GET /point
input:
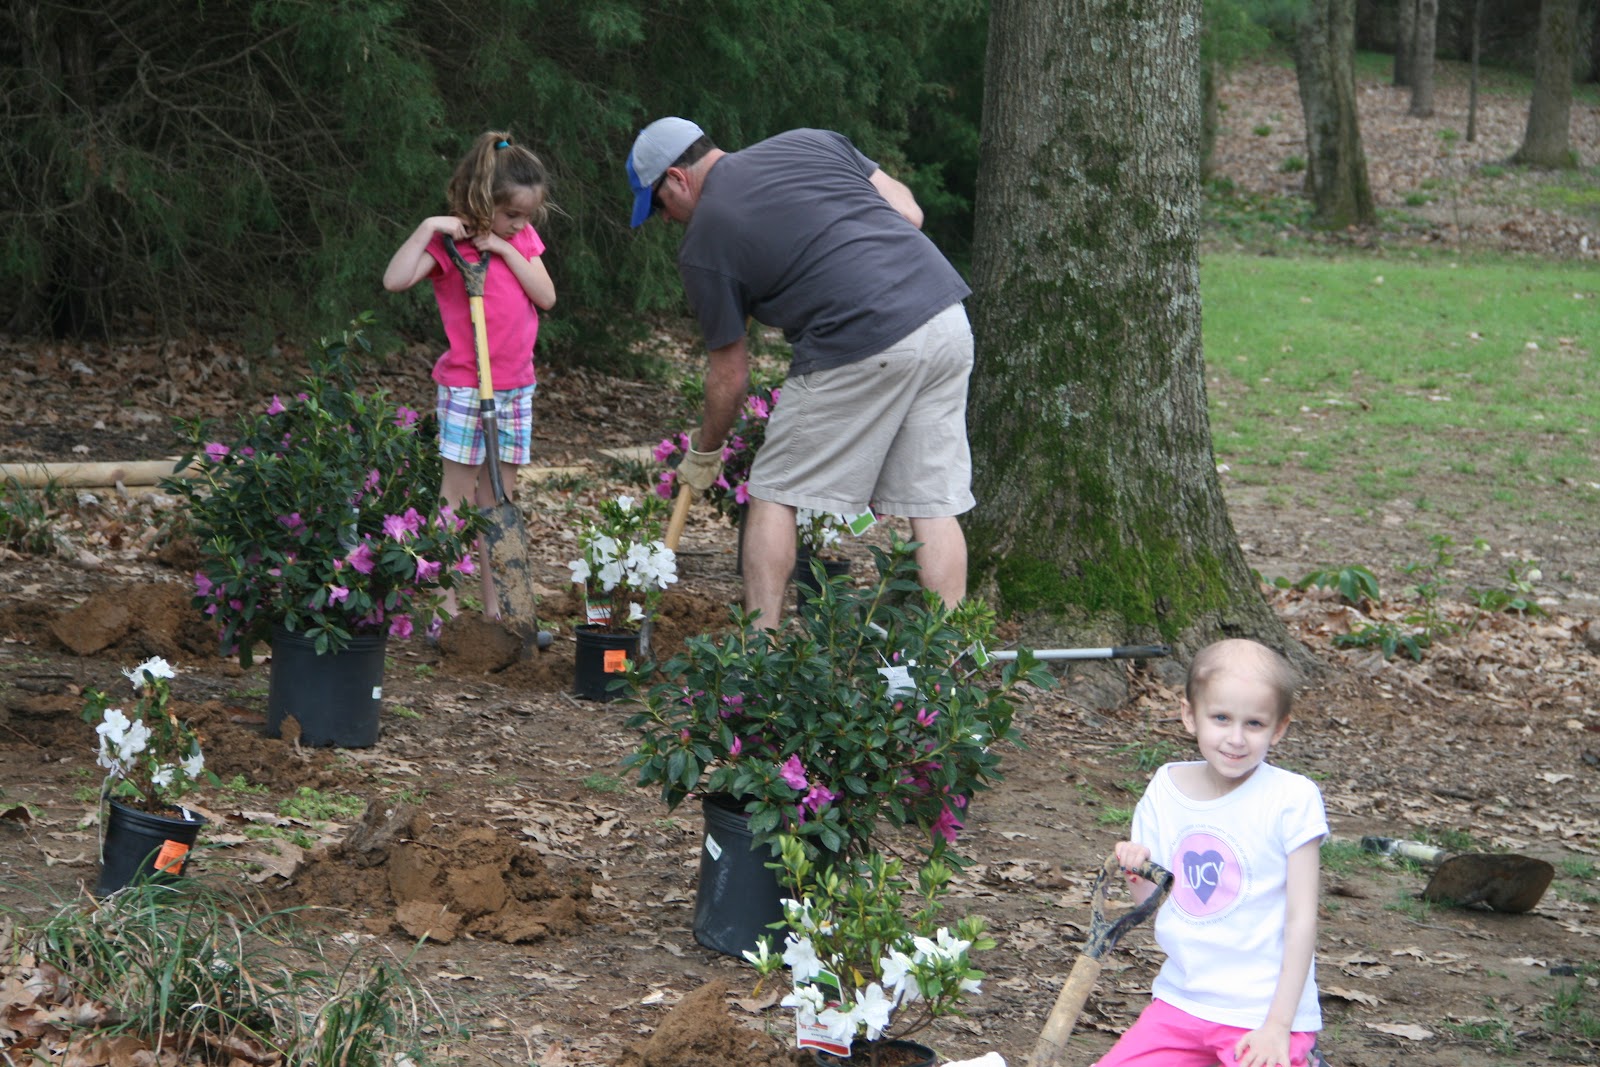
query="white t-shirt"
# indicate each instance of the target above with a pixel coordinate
(1222, 925)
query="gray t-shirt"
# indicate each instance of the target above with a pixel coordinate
(793, 232)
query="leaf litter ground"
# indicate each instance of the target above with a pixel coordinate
(557, 901)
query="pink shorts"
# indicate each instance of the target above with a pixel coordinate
(1164, 1036)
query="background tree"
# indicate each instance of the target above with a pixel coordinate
(1424, 47)
(1101, 516)
(1547, 141)
(1405, 42)
(1336, 164)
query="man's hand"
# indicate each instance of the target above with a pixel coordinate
(700, 470)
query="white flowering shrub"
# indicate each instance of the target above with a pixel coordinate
(624, 566)
(860, 964)
(820, 531)
(150, 757)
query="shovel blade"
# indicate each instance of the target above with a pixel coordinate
(506, 544)
(1507, 883)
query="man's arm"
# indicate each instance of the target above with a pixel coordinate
(727, 383)
(899, 196)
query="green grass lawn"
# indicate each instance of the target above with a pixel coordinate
(1423, 378)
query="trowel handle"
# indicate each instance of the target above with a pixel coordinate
(1427, 855)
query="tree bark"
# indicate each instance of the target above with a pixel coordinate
(1100, 517)
(1336, 164)
(1424, 48)
(1472, 87)
(1546, 142)
(1210, 116)
(1404, 42)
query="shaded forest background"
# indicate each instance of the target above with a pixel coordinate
(247, 168)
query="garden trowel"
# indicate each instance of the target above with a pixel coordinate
(505, 539)
(1502, 881)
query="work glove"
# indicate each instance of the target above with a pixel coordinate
(699, 470)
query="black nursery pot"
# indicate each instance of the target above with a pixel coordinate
(602, 657)
(140, 846)
(893, 1053)
(738, 896)
(336, 697)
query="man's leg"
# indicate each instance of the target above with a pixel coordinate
(769, 559)
(942, 558)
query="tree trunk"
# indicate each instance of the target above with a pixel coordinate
(1424, 48)
(1405, 32)
(1546, 143)
(1210, 115)
(1472, 88)
(1100, 516)
(1336, 164)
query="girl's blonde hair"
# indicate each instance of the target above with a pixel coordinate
(491, 172)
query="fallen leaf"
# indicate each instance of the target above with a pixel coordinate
(1355, 996)
(1409, 1031)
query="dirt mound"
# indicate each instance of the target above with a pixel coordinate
(132, 621)
(442, 880)
(699, 1033)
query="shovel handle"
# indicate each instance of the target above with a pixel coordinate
(473, 274)
(680, 515)
(1105, 929)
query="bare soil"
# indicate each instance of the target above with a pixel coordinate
(551, 903)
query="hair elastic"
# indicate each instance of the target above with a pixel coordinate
(501, 144)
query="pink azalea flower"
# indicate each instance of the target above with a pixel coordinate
(818, 797)
(337, 594)
(427, 570)
(361, 558)
(395, 528)
(276, 407)
(758, 407)
(927, 717)
(741, 493)
(400, 626)
(292, 521)
(404, 416)
(665, 483)
(793, 773)
(215, 451)
(372, 481)
(737, 746)
(247, 451)
(664, 450)
(947, 826)
(202, 584)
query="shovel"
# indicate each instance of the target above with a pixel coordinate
(506, 539)
(1104, 933)
(1502, 881)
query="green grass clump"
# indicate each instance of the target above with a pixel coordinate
(188, 970)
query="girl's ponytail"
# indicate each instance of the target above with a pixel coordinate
(491, 170)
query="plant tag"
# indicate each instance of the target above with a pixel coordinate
(980, 655)
(898, 679)
(377, 692)
(616, 661)
(713, 847)
(862, 523)
(597, 614)
(812, 1034)
(170, 858)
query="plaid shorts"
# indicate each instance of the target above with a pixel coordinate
(461, 439)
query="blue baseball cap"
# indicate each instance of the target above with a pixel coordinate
(654, 150)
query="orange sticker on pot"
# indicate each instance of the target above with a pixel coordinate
(170, 859)
(616, 660)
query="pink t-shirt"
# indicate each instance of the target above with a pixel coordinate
(510, 319)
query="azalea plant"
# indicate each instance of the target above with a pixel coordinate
(873, 711)
(731, 491)
(820, 531)
(624, 566)
(322, 514)
(860, 965)
(151, 758)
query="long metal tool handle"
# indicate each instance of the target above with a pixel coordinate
(473, 274)
(1114, 652)
(680, 515)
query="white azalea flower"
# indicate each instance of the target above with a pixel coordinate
(840, 1025)
(580, 570)
(808, 1000)
(610, 574)
(155, 667)
(801, 956)
(194, 764)
(896, 968)
(949, 944)
(625, 502)
(971, 985)
(163, 775)
(761, 954)
(636, 614)
(872, 1010)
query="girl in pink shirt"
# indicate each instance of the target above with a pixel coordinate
(495, 197)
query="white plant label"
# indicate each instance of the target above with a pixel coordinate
(898, 679)
(377, 692)
(713, 848)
